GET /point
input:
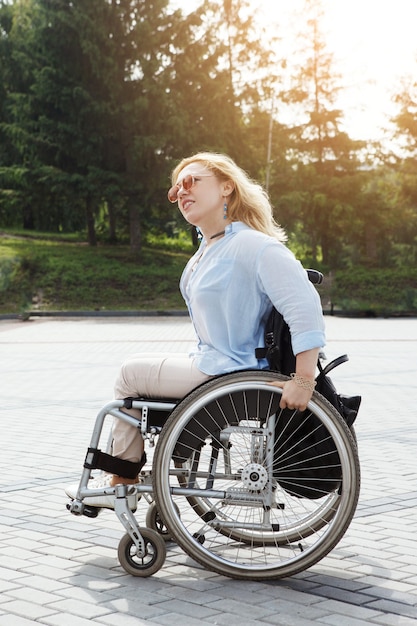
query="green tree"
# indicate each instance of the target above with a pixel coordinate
(14, 85)
(92, 115)
(220, 74)
(111, 93)
(40, 124)
(405, 119)
(405, 122)
(324, 181)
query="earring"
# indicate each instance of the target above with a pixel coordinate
(225, 210)
(199, 233)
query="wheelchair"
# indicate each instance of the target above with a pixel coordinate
(228, 485)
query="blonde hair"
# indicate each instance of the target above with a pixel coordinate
(248, 203)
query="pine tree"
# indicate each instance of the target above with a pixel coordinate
(325, 159)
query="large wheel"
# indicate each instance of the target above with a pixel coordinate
(249, 490)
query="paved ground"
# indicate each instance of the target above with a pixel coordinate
(60, 570)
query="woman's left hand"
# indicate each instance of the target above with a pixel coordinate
(297, 392)
(293, 396)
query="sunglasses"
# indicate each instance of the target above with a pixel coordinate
(186, 183)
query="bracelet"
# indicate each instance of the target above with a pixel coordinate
(305, 383)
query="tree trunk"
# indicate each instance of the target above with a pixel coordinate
(371, 247)
(325, 249)
(112, 223)
(91, 229)
(134, 227)
(28, 218)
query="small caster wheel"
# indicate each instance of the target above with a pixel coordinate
(155, 522)
(150, 562)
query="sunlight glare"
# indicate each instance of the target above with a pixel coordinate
(373, 43)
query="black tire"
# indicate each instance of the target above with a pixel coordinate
(155, 522)
(223, 501)
(150, 562)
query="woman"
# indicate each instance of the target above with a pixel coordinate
(241, 269)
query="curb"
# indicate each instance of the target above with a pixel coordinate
(183, 313)
(31, 314)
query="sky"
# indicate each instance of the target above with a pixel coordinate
(374, 43)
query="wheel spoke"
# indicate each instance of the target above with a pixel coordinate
(239, 481)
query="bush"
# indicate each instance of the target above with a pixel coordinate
(50, 274)
(67, 276)
(375, 291)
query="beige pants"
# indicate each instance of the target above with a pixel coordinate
(151, 376)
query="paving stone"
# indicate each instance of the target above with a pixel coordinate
(281, 607)
(25, 609)
(15, 620)
(398, 608)
(60, 570)
(119, 619)
(343, 620)
(187, 609)
(354, 611)
(178, 619)
(65, 619)
(228, 619)
(388, 619)
(36, 596)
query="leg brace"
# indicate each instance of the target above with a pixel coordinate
(96, 459)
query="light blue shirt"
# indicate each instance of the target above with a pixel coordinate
(230, 287)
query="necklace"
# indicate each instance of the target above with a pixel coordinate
(218, 234)
(199, 258)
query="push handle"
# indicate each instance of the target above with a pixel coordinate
(315, 277)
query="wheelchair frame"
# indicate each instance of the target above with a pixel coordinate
(214, 489)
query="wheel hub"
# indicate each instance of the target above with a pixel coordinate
(254, 477)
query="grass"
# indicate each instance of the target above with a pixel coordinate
(60, 275)
(53, 273)
(376, 291)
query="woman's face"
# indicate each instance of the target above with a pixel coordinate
(200, 195)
